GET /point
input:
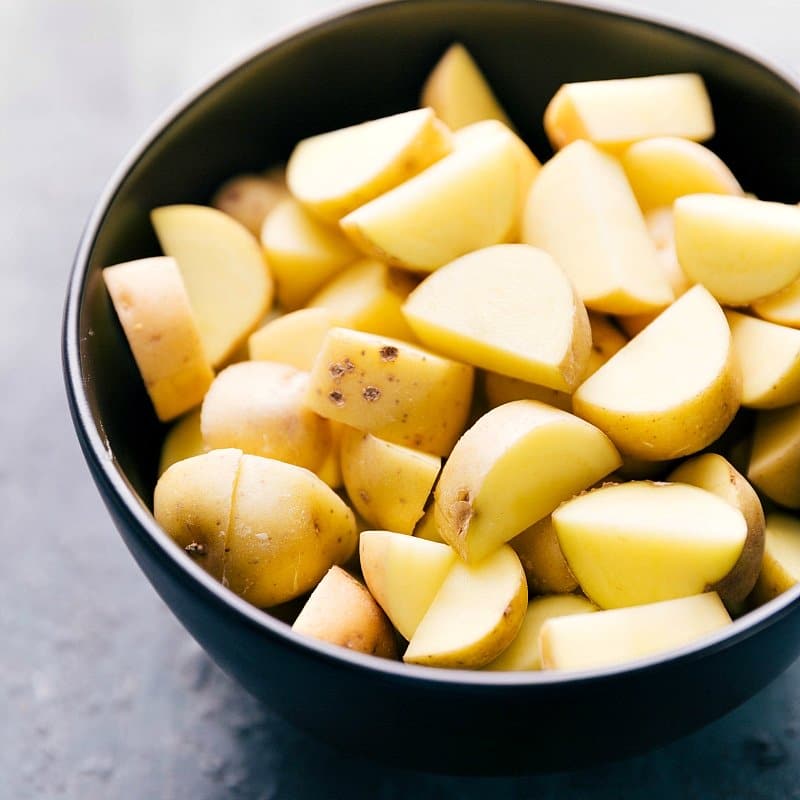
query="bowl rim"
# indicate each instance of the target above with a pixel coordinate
(116, 489)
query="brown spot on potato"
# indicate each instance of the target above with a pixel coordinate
(389, 353)
(340, 368)
(363, 495)
(462, 511)
(195, 549)
(337, 398)
(371, 393)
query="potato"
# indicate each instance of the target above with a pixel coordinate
(387, 484)
(535, 328)
(193, 501)
(769, 356)
(183, 440)
(368, 296)
(334, 173)
(475, 615)
(459, 94)
(293, 339)
(714, 474)
(605, 638)
(615, 113)
(391, 389)
(249, 198)
(633, 543)
(465, 201)
(613, 263)
(153, 308)
(229, 285)
(739, 248)
(404, 575)
(774, 467)
(302, 252)
(673, 389)
(524, 652)
(781, 568)
(341, 611)
(258, 406)
(287, 530)
(488, 493)
(331, 469)
(782, 308)
(662, 169)
(426, 528)
(546, 569)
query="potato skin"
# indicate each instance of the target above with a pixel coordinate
(249, 198)
(545, 567)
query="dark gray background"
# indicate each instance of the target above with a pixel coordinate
(102, 693)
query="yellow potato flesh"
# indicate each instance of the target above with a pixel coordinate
(368, 296)
(249, 198)
(183, 440)
(331, 469)
(662, 169)
(387, 484)
(540, 554)
(287, 530)
(509, 309)
(229, 285)
(769, 356)
(465, 201)
(303, 253)
(639, 542)
(459, 94)
(426, 528)
(774, 467)
(782, 308)
(193, 501)
(404, 575)
(488, 493)
(673, 389)
(163, 333)
(524, 652)
(741, 249)
(781, 568)
(475, 615)
(615, 113)
(341, 611)
(335, 173)
(293, 338)
(391, 389)
(616, 637)
(582, 211)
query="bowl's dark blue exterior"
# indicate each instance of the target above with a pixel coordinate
(362, 64)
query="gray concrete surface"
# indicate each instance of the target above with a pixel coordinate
(102, 693)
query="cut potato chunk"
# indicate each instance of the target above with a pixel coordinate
(781, 567)
(614, 113)
(769, 356)
(616, 637)
(681, 367)
(475, 615)
(582, 211)
(465, 201)
(488, 493)
(387, 484)
(391, 389)
(714, 474)
(662, 169)
(535, 328)
(183, 440)
(741, 249)
(155, 313)
(249, 198)
(293, 339)
(540, 554)
(524, 652)
(341, 611)
(302, 252)
(640, 542)
(368, 296)
(459, 94)
(426, 528)
(775, 457)
(782, 308)
(404, 575)
(259, 407)
(193, 501)
(287, 530)
(331, 469)
(229, 286)
(334, 173)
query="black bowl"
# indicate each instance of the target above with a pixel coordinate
(343, 69)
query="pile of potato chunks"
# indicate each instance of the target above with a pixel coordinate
(519, 483)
